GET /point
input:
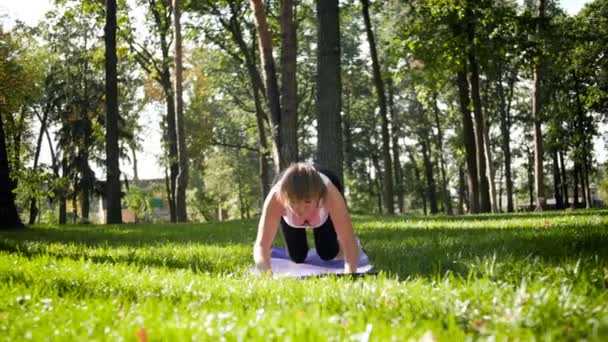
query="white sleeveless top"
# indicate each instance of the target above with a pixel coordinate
(291, 218)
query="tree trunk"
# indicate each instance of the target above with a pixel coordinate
(559, 201)
(530, 169)
(270, 79)
(505, 132)
(587, 171)
(386, 156)
(113, 193)
(170, 198)
(564, 180)
(469, 143)
(289, 86)
(575, 177)
(257, 91)
(62, 195)
(447, 200)
(395, 134)
(378, 181)
(33, 200)
(539, 182)
(181, 212)
(419, 187)
(480, 124)
(8, 210)
(461, 190)
(134, 157)
(428, 175)
(329, 88)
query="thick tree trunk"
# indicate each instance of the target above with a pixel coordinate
(8, 210)
(270, 79)
(329, 88)
(289, 86)
(386, 155)
(378, 181)
(447, 200)
(113, 193)
(181, 212)
(469, 143)
(539, 174)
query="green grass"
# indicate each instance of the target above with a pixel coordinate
(488, 277)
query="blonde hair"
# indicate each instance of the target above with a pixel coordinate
(301, 181)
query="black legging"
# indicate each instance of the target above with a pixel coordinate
(326, 239)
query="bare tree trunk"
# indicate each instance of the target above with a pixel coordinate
(444, 186)
(461, 190)
(505, 130)
(270, 79)
(134, 157)
(289, 86)
(386, 155)
(182, 151)
(539, 175)
(378, 181)
(559, 202)
(62, 194)
(170, 198)
(395, 134)
(419, 187)
(8, 210)
(530, 169)
(564, 180)
(575, 178)
(43, 119)
(587, 171)
(329, 88)
(113, 192)
(480, 124)
(428, 175)
(469, 143)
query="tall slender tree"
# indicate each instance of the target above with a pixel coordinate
(539, 173)
(113, 213)
(182, 152)
(388, 193)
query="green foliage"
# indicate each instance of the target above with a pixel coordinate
(140, 202)
(510, 277)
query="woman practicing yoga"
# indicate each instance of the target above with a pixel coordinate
(306, 196)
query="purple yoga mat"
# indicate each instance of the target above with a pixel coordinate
(313, 265)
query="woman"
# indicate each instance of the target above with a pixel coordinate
(305, 196)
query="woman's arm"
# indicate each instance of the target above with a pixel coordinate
(267, 230)
(335, 204)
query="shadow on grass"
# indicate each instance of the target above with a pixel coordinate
(428, 252)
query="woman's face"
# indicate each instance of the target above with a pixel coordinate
(303, 208)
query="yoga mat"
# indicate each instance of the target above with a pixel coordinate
(313, 265)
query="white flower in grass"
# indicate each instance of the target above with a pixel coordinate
(364, 336)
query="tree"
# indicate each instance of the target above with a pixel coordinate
(329, 87)
(182, 153)
(8, 211)
(113, 192)
(388, 193)
(539, 180)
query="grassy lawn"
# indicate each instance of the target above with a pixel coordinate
(513, 277)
